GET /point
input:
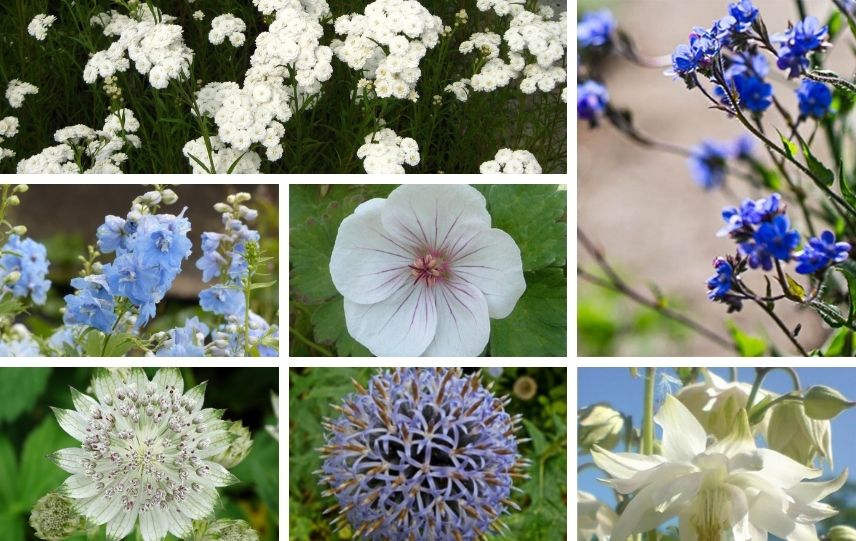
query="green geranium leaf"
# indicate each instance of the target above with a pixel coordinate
(532, 215)
(38, 475)
(20, 387)
(329, 323)
(538, 325)
(8, 468)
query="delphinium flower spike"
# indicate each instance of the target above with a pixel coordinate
(421, 454)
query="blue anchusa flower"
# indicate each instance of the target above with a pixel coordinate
(592, 99)
(29, 258)
(437, 452)
(708, 164)
(797, 42)
(744, 14)
(92, 305)
(186, 341)
(595, 28)
(740, 223)
(720, 283)
(756, 95)
(815, 98)
(747, 64)
(820, 253)
(773, 239)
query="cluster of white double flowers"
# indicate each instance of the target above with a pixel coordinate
(227, 26)
(82, 149)
(387, 43)
(385, 152)
(148, 453)
(512, 162)
(17, 91)
(145, 38)
(8, 129)
(38, 27)
(223, 158)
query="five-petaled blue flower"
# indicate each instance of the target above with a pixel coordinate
(820, 253)
(592, 99)
(29, 258)
(797, 42)
(755, 94)
(720, 283)
(814, 98)
(595, 28)
(708, 164)
(750, 214)
(744, 14)
(773, 240)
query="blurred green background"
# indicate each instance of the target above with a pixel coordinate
(29, 432)
(544, 500)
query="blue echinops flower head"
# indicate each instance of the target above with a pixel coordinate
(592, 99)
(422, 454)
(820, 253)
(797, 42)
(29, 258)
(595, 28)
(815, 98)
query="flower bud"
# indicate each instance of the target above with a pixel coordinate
(238, 449)
(599, 425)
(247, 213)
(715, 403)
(53, 518)
(97, 267)
(12, 277)
(151, 198)
(21, 188)
(168, 197)
(13, 201)
(222, 207)
(240, 197)
(795, 435)
(841, 533)
(230, 199)
(824, 403)
(230, 530)
(19, 230)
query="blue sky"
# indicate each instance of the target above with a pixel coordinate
(617, 387)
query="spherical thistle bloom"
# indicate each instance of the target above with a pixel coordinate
(592, 99)
(815, 99)
(38, 27)
(53, 518)
(512, 162)
(422, 272)
(772, 240)
(186, 341)
(720, 283)
(717, 488)
(144, 455)
(422, 454)
(708, 164)
(17, 91)
(756, 95)
(595, 28)
(820, 253)
(28, 259)
(595, 519)
(797, 42)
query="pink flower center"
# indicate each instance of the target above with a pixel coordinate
(428, 268)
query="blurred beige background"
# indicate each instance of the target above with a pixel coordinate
(643, 207)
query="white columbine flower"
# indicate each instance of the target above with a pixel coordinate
(594, 518)
(38, 27)
(145, 453)
(725, 489)
(422, 272)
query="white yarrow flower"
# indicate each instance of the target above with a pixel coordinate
(17, 90)
(422, 272)
(144, 455)
(725, 489)
(512, 162)
(38, 27)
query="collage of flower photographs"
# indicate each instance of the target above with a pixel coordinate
(195, 123)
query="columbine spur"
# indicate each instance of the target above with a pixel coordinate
(145, 453)
(422, 454)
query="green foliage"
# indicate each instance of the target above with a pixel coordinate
(20, 388)
(747, 345)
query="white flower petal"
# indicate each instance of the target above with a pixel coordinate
(429, 216)
(662, 472)
(169, 376)
(739, 440)
(812, 492)
(368, 263)
(72, 422)
(180, 525)
(492, 263)
(402, 325)
(655, 504)
(463, 323)
(623, 465)
(219, 476)
(105, 385)
(740, 524)
(198, 505)
(122, 524)
(80, 486)
(784, 471)
(683, 436)
(83, 403)
(685, 526)
(70, 459)
(98, 509)
(196, 395)
(769, 514)
(153, 524)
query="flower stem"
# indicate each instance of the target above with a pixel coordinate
(760, 374)
(320, 349)
(648, 425)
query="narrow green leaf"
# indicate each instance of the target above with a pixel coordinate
(795, 288)
(848, 269)
(262, 285)
(747, 345)
(790, 146)
(19, 389)
(820, 171)
(93, 345)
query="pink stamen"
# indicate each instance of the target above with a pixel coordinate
(428, 268)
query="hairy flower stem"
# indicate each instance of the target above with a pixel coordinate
(765, 305)
(648, 425)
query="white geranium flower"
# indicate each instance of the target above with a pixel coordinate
(594, 518)
(726, 489)
(145, 453)
(422, 272)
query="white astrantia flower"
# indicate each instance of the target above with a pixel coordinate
(38, 27)
(718, 489)
(422, 272)
(595, 519)
(145, 453)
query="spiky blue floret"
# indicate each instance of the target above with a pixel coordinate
(422, 454)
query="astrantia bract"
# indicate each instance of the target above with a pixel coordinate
(145, 453)
(422, 272)
(422, 454)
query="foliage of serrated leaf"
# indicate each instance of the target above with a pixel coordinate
(820, 171)
(38, 475)
(119, 345)
(532, 215)
(329, 327)
(19, 389)
(538, 325)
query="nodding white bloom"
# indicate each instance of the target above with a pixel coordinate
(225, 157)
(386, 152)
(8, 129)
(511, 162)
(422, 272)
(144, 455)
(594, 518)
(17, 90)
(724, 489)
(501, 7)
(387, 43)
(101, 149)
(38, 27)
(155, 47)
(274, 429)
(227, 26)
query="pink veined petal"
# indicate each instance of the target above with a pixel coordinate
(369, 263)
(434, 216)
(71, 459)
(492, 263)
(104, 383)
(463, 324)
(402, 325)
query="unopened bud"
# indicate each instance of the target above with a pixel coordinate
(151, 198)
(230, 199)
(13, 277)
(19, 230)
(247, 213)
(222, 207)
(824, 403)
(168, 197)
(599, 425)
(795, 435)
(21, 188)
(97, 267)
(841, 533)
(240, 197)
(13, 201)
